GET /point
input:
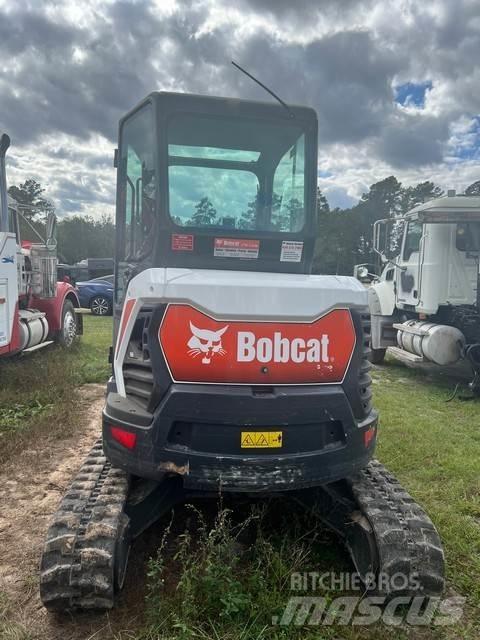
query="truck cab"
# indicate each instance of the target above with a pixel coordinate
(35, 309)
(435, 272)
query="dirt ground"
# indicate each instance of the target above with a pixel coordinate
(31, 486)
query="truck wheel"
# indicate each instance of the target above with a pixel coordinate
(68, 330)
(378, 356)
(100, 306)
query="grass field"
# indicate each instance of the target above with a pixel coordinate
(37, 391)
(434, 449)
(223, 574)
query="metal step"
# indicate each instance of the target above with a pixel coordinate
(38, 346)
(139, 389)
(140, 375)
(405, 356)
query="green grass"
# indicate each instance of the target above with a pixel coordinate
(200, 587)
(38, 390)
(433, 447)
(228, 573)
(10, 630)
(222, 573)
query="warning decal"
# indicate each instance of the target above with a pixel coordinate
(236, 248)
(261, 439)
(291, 251)
(182, 242)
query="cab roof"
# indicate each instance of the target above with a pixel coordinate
(232, 106)
(448, 209)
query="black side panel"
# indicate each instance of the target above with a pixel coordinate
(161, 374)
(358, 382)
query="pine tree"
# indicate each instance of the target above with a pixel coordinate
(29, 194)
(205, 213)
(473, 189)
(322, 203)
(422, 192)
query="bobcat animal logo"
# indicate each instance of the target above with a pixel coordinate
(206, 343)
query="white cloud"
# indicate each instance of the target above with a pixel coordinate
(69, 71)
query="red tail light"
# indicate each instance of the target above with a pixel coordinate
(125, 438)
(369, 435)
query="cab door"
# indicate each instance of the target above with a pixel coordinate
(408, 280)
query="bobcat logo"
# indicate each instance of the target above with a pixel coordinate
(205, 343)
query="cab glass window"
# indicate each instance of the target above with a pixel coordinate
(212, 196)
(13, 222)
(137, 186)
(468, 236)
(288, 202)
(236, 173)
(412, 239)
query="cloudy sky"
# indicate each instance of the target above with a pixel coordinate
(396, 84)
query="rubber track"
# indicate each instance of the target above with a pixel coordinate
(77, 565)
(406, 539)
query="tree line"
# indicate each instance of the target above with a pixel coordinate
(344, 235)
(282, 218)
(78, 236)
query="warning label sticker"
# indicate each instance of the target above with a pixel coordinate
(182, 242)
(291, 251)
(236, 248)
(261, 439)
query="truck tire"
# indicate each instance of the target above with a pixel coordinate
(100, 306)
(68, 330)
(378, 356)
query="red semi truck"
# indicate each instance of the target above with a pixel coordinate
(35, 309)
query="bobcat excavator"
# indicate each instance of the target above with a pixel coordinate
(234, 368)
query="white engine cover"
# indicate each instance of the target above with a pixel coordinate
(236, 295)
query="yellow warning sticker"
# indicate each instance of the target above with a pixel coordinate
(261, 439)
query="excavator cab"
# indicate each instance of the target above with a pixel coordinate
(215, 183)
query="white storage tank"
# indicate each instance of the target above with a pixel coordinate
(437, 343)
(33, 328)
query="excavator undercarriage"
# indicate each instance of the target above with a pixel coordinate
(392, 542)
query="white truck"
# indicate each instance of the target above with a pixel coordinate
(425, 304)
